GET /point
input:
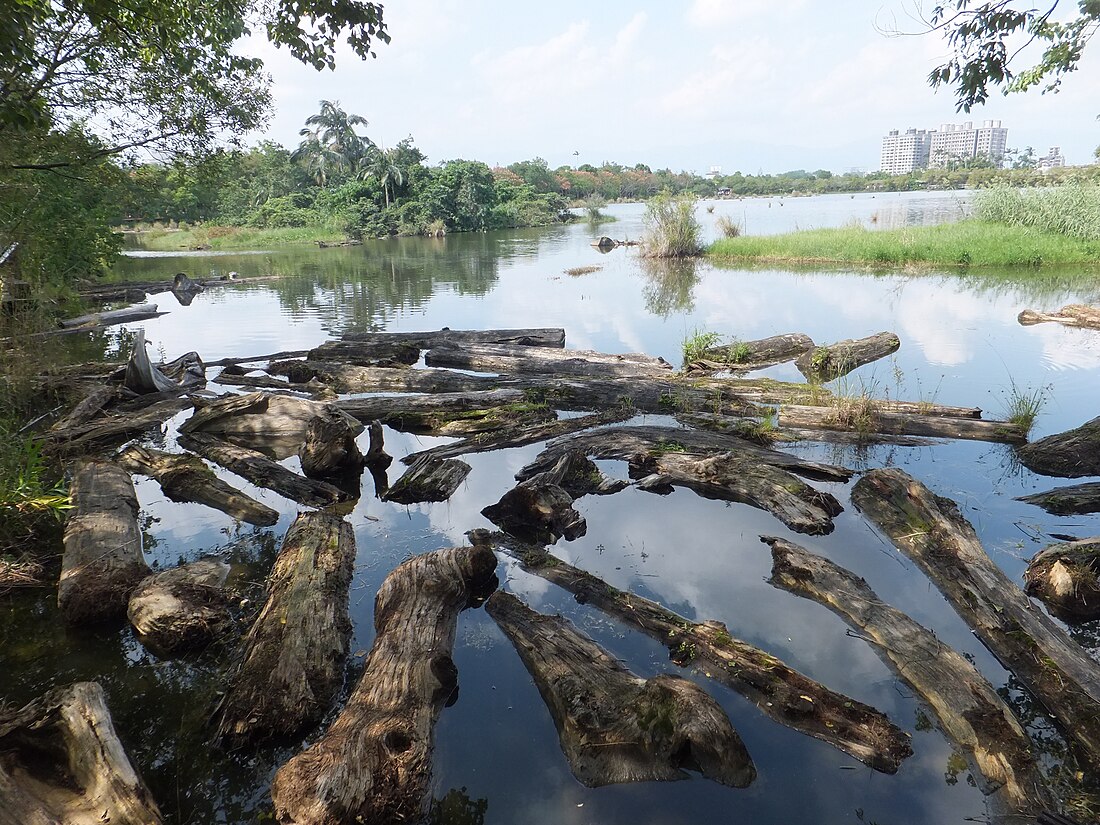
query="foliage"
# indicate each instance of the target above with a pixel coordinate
(695, 346)
(672, 230)
(29, 490)
(1072, 209)
(592, 206)
(1023, 405)
(728, 227)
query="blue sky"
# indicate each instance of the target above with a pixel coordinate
(750, 85)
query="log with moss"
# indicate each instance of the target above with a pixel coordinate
(183, 609)
(373, 764)
(1072, 454)
(753, 355)
(1066, 578)
(451, 413)
(368, 353)
(613, 725)
(827, 363)
(1075, 499)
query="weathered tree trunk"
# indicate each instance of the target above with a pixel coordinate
(866, 416)
(751, 430)
(329, 450)
(61, 763)
(428, 479)
(259, 415)
(451, 413)
(754, 355)
(1066, 577)
(88, 408)
(545, 337)
(293, 660)
(1074, 315)
(613, 725)
(103, 562)
(182, 609)
(112, 430)
(538, 512)
(780, 692)
(187, 478)
(969, 709)
(364, 354)
(374, 762)
(140, 312)
(1067, 501)
(575, 473)
(351, 378)
(826, 363)
(262, 471)
(545, 361)
(253, 359)
(1071, 454)
(376, 456)
(931, 531)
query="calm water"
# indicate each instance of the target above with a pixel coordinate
(497, 751)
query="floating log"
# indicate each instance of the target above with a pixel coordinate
(780, 692)
(754, 355)
(1071, 454)
(103, 562)
(1068, 501)
(970, 711)
(182, 609)
(61, 763)
(250, 359)
(931, 531)
(538, 337)
(293, 660)
(545, 361)
(367, 354)
(113, 429)
(138, 312)
(826, 363)
(329, 449)
(187, 478)
(259, 415)
(428, 479)
(262, 471)
(374, 762)
(613, 725)
(1066, 578)
(115, 292)
(1073, 315)
(864, 415)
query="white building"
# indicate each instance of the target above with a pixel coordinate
(1052, 160)
(961, 142)
(903, 153)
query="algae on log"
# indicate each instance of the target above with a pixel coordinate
(1067, 501)
(368, 354)
(931, 531)
(613, 725)
(826, 363)
(293, 659)
(968, 707)
(1066, 577)
(103, 560)
(187, 478)
(1073, 315)
(869, 416)
(780, 692)
(428, 479)
(61, 763)
(451, 413)
(182, 609)
(1071, 454)
(373, 764)
(754, 355)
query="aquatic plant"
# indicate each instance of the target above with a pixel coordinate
(728, 227)
(672, 230)
(695, 346)
(1023, 405)
(1072, 209)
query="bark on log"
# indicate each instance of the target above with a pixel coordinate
(544, 337)
(257, 416)
(1067, 501)
(534, 360)
(140, 312)
(182, 609)
(374, 762)
(103, 562)
(1066, 577)
(187, 478)
(931, 531)
(381, 354)
(1071, 454)
(754, 355)
(61, 763)
(537, 512)
(866, 416)
(1074, 315)
(613, 725)
(579, 476)
(262, 471)
(780, 692)
(751, 430)
(329, 449)
(428, 479)
(252, 359)
(87, 409)
(112, 430)
(967, 706)
(349, 378)
(826, 363)
(451, 413)
(293, 660)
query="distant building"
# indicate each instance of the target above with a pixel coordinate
(713, 172)
(1053, 159)
(903, 153)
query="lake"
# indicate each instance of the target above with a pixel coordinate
(497, 758)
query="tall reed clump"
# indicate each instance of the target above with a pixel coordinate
(728, 227)
(1072, 209)
(592, 206)
(672, 230)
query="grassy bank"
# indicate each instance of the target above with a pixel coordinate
(968, 243)
(236, 237)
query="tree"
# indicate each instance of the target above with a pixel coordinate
(335, 129)
(384, 166)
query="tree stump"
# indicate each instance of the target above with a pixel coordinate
(1066, 577)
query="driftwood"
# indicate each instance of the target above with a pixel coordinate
(537, 512)
(103, 562)
(115, 292)
(931, 531)
(293, 660)
(1071, 454)
(826, 363)
(258, 416)
(139, 312)
(187, 478)
(780, 692)
(142, 376)
(451, 413)
(544, 337)
(579, 476)
(1067, 501)
(87, 409)
(864, 415)
(262, 471)
(329, 449)
(969, 709)
(1074, 315)
(753, 355)
(546, 361)
(1066, 577)
(182, 609)
(380, 354)
(61, 763)
(250, 359)
(428, 479)
(113, 429)
(613, 725)
(374, 762)
(751, 430)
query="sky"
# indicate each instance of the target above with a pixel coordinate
(747, 85)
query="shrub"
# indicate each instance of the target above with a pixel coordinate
(728, 226)
(672, 230)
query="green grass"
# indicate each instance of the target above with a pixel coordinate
(969, 243)
(237, 237)
(1023, 405)
(1072, 209)
(672, 230)
(695, 346)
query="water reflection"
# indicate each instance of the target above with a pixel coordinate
(670, 285)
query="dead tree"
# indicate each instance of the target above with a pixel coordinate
(428, 479)
(1074, 315)
(826, 363)
(867, 416)
(1066, 501)
(743, 356)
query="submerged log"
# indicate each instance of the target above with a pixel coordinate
(1067, 501)
(865, 415)
(329, 449)
(103, 562)
(970, 712)
(373, 354)
(931, 531)
(293, 660)
(780, 692)
(61, 763)
(1071, 454)
(754, 355)
(1066, 577)
(1074, 315)
(139, 312)
(374, 762)
(428, 479)
(546, 361)
(187, 478)
(826, 363)
(544, 337)
(182, 609)
(262, 471)
(613, 725)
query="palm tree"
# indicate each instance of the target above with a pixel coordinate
(332, 143)
(383, 164)
(318, 159)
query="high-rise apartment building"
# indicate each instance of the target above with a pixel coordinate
(1054, 159)
(918, 149)
(902, 153)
